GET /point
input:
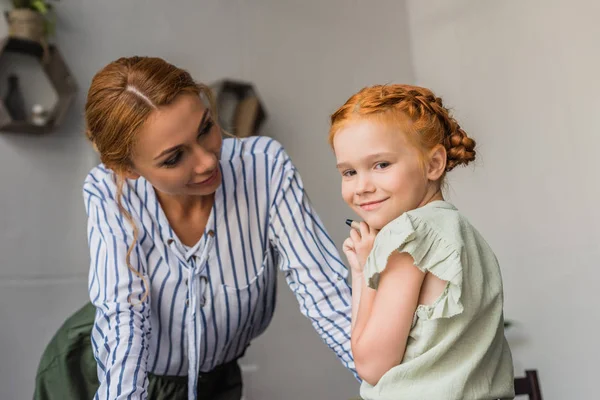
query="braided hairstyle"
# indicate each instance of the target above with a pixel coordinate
(429, 121)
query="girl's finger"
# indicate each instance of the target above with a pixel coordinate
(365, 230)
(355, 236)
(348, 244)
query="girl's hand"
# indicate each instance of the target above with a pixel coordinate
(358, 246)
(350, 252)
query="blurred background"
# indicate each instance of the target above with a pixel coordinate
(520, 75)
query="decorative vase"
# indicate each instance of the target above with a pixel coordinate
(26, 24)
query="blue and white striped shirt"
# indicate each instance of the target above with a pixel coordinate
(206, 303)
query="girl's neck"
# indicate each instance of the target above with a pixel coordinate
(434, 193)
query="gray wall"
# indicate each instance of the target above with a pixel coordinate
(43, 253)
(523, 78)
(305, 57)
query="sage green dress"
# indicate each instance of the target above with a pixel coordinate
(456, 347)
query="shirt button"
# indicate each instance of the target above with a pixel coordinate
(170, 241)
(339, 278)
(211, 233)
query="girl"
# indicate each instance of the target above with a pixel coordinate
(427, 319)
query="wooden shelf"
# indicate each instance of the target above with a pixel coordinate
(59, 76)
(240, 110)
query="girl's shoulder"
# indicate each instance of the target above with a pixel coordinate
(425, 234)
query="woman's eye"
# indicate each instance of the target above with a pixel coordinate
(173, 160)
(206, 128)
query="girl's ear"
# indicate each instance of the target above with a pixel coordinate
(436, 164)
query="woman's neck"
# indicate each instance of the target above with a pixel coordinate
(185, 206)
(187, 215)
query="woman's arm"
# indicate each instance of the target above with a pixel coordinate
(309, 258)
(121, 331)
(385, 317)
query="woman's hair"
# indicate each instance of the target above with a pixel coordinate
(121, 97)
(425, 119)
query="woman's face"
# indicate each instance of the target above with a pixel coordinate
(178, 149)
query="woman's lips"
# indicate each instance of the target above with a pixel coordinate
(208, 180)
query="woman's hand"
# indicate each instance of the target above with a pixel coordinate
(358, 246)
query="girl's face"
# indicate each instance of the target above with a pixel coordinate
(383, 174)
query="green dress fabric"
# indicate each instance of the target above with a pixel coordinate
(456, 347)
(68, 370)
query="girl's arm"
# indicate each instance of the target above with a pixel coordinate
(358, 287)
(384, 318)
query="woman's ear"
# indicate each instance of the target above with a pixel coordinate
(129, 173)
(436, 164)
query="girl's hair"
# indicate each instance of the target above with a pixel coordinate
(121, 97)
(427, 122)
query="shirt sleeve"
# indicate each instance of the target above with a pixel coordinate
(121, 332)
(309, 259)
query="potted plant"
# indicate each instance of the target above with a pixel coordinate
(31, 20)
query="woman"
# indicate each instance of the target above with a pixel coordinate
(185, 233)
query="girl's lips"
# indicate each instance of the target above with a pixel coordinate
(371, 205)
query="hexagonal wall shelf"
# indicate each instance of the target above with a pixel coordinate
(241, 112)
(59, 76)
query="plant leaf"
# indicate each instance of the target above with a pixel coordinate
(39, 6)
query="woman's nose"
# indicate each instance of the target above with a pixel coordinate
(205, 161)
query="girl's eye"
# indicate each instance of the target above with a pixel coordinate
(382, 165)
(349, 173)
(173, 160)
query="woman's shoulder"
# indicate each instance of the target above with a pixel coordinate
(100, 182)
